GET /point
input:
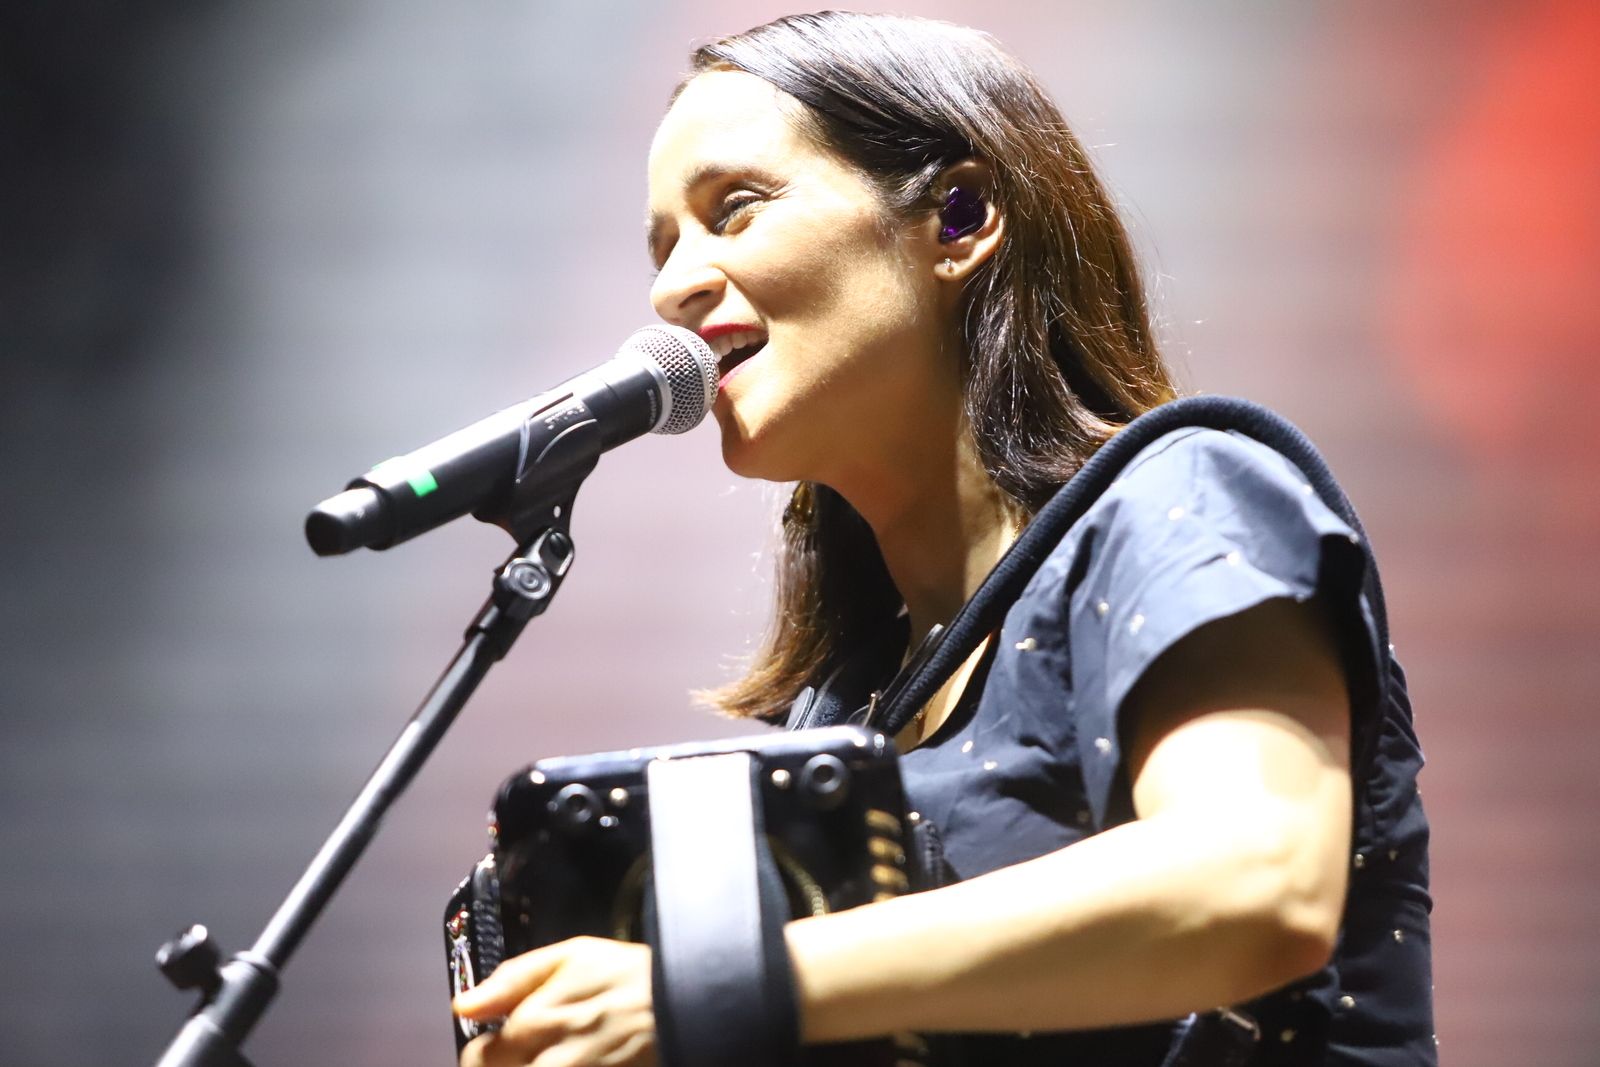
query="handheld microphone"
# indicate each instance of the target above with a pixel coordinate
(662, 380)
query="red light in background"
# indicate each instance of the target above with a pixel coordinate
(1496, 294)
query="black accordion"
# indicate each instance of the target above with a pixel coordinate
(703, 851)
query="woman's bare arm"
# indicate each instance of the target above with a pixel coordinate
(1228, 884)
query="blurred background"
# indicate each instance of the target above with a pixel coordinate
(248, 250)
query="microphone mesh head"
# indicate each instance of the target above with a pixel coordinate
(690, 368)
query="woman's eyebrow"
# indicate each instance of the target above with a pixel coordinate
(700, 173)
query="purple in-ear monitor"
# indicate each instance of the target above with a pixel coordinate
(963, 213)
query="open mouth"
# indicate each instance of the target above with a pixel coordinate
(735, 348)
(728, 363)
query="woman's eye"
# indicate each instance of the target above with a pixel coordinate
(730, 208)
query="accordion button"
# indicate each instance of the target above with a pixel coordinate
(825, 781)
(576, 808)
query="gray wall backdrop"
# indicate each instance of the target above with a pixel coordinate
(250, 249)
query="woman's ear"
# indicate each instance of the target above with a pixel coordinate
(968, 225)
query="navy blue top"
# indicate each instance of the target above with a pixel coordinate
(1201, 525)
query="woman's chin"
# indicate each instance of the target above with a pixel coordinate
(749, 453)
(741, 455)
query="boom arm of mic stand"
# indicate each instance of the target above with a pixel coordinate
(236, 995)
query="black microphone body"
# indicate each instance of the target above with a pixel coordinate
(528, 457)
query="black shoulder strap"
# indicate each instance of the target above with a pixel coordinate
(721, 982)
(986, 610)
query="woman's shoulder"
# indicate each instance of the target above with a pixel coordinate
(1193, 496)
(1195, 464)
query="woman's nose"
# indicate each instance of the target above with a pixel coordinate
(684, 290)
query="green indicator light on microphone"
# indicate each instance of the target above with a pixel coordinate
(422, 484)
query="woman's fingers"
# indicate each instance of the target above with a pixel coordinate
(510, 983)
(586, 1000)
(540, 1033)
(489, 1051)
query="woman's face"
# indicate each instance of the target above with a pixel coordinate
(768, 245)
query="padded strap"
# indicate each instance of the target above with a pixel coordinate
(722, 986)
(986, 610)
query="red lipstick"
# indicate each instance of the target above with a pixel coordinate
(711, 333)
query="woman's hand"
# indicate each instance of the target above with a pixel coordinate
(582, 1001)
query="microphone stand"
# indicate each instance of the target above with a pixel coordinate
(236, 994)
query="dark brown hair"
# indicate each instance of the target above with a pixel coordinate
(1058, 352)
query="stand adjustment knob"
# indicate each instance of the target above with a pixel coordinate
(527, 579)
(191, 960)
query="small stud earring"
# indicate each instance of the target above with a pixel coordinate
(949, 265)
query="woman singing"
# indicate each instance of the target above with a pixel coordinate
(1168, 782)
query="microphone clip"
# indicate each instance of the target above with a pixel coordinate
(524, 587)
(559, 445)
